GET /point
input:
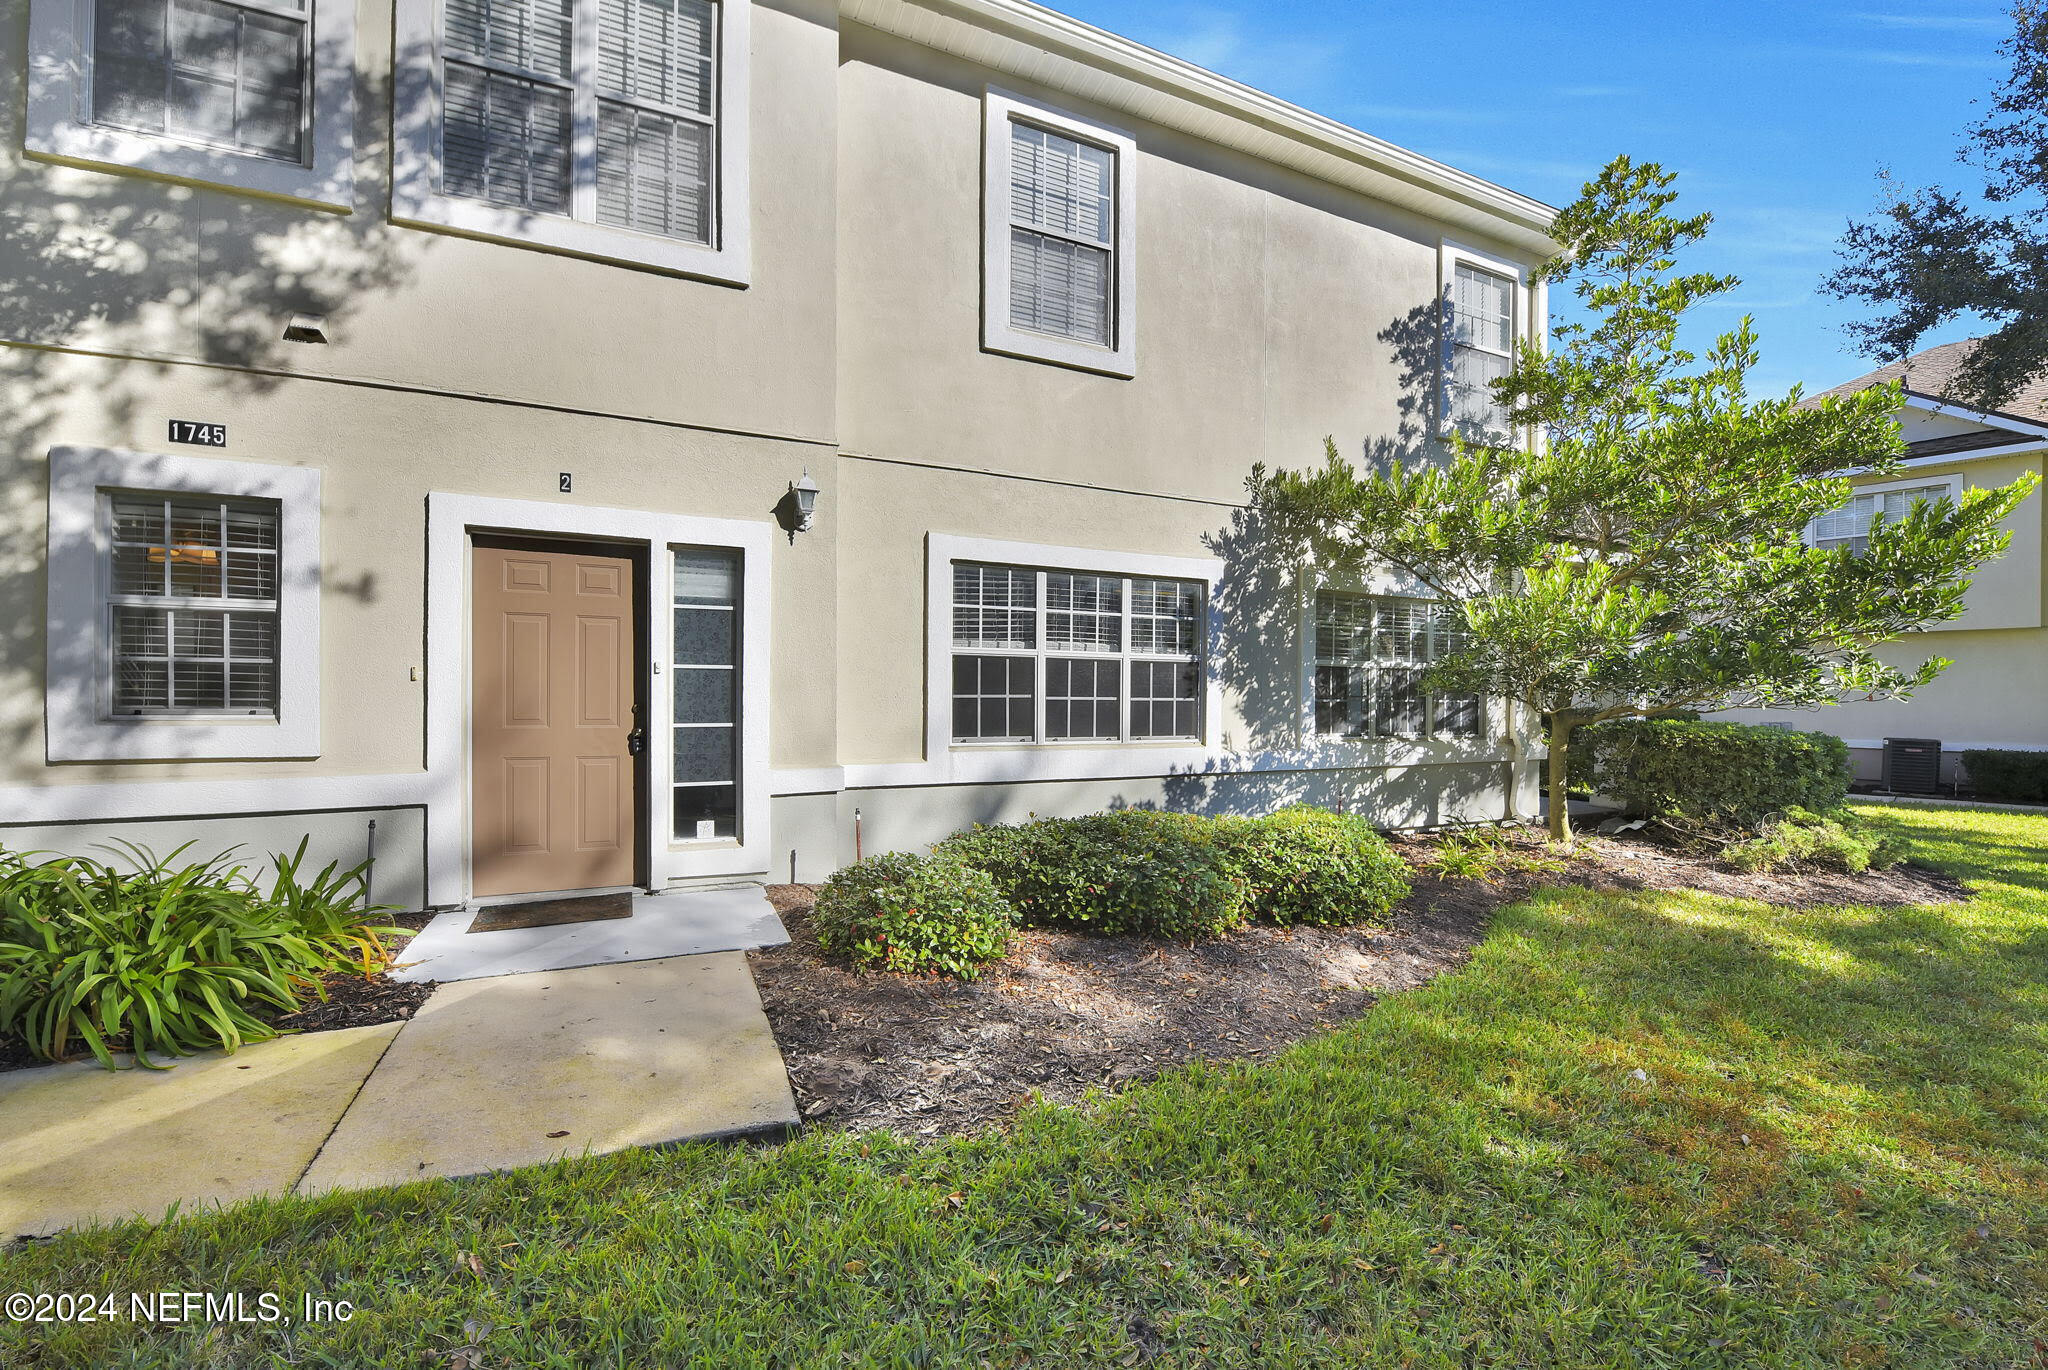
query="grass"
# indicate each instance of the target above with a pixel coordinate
(1838, 1157)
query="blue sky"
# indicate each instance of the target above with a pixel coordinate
(1776, 115)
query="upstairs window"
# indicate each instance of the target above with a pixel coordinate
(607, 128)
(517, 94)
(247, 94)
(1067, 656)
(1062, 238)
(1849, 526)
(1482, 329)
(228, 75)
(1058, 240)
(1371, 654)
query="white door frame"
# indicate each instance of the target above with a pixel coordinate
(451, 518)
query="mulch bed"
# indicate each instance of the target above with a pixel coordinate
(1067, 1012)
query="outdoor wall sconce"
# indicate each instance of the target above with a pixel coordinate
(799, 506)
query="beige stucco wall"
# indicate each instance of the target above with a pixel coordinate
(1262, 301)
(121, 263)
(380, 452)
(2006, 592)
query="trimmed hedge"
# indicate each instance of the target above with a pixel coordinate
(1998, 774)
(1715, 777)
(916, 915)
(1308, 865)
(1132, 871)
(1186, 876)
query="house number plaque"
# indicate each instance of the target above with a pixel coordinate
(199, 434)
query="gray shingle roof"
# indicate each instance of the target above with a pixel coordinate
(1932, 373)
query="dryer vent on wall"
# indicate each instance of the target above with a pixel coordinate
(1912, 765)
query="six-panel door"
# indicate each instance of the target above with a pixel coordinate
(552, 781)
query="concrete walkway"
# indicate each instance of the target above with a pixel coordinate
(487, 1075)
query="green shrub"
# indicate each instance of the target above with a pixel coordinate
(916, 915)
(1483, 853)
(1132, 871)
(176, 958)
(1713, 778)
(1799, 837)
(1998, 774)
(1308, 865)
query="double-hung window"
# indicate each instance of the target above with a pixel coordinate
(1069, 656)
(1371, 653)
(184, 608)
(1849, 526)
(255, 94)
(612, 128)
(1058, 246)
(192, 606)
(1482, 331)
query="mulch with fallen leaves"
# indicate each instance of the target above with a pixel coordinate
(1068, 1011)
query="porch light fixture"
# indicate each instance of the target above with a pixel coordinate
(800, 505)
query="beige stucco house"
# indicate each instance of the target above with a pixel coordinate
(404, 409)
(1996, 693)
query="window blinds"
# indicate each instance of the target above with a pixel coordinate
(1062, 235)
(1482, 348)
(515, 99)
(1849, 526)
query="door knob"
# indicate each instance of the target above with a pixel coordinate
(636, 742)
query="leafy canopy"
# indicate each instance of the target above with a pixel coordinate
(1646, 556)
(1934, 255)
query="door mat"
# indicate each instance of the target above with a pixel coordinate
(545, 913)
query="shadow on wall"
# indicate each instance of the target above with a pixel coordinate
(113, 285)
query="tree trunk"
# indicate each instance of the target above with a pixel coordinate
(1560, 799)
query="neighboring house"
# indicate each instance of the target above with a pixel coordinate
(404, 409)
(1994, 695)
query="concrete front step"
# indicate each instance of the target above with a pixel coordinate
(517, 1070)
(681, 923)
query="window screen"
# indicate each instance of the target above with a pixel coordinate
(229, 75)
(706, 684)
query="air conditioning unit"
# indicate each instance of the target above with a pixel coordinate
(1912, 765)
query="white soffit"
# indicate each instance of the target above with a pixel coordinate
(1039, 45)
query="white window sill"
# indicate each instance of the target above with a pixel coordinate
(111, 149)
(1003, 340)
(570, 237)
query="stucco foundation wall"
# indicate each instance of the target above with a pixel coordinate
(398, 877)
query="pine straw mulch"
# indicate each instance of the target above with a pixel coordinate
(1067, 1012)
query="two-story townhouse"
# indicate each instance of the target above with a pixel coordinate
(1991, 695)
(407, 412)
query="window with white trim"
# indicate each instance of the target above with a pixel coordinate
(1482, 331)
(191, 606)
(1849, 526)
(706, 683)
(1058, 242)
(1371, 652)
(1069, 656)
(254, 94)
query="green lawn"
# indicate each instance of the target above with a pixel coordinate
(1840, 1157)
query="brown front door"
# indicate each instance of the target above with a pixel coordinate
(552, 779)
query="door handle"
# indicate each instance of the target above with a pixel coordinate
(636, 742)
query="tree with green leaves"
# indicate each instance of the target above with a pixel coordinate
(1639, 551)
(1934, 255)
